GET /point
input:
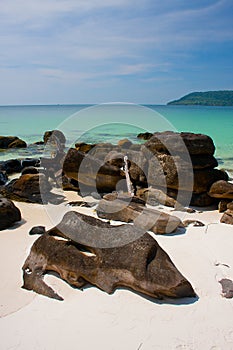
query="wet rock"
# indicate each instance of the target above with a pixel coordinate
(9, 213)
(141, 265)
(221, 189)
(84, 147)
(54, 136)
(125, 143)
(28, 162)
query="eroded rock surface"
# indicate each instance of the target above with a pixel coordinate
(141, 265)
(9, 213)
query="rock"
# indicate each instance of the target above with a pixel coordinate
(141, 265)
(18, 144)
(176, 173)
(54, 136)
(28, 188)
(3, 178)
(221, 189)
(143, 218)
(11, 166)
(195, 199)
(37, 230)
(11, 142)
(115, 158)
(227, 288)
(154, 196)
(145, 135)
(9, 213)
(195, 223)
(203, 161)
(84, 147)
(222, 205)
(28, 162)
(91, 171)
(230, 206)
(69, 184)
(30, 170)
(168, 141)
(125, 143)
(227, 217)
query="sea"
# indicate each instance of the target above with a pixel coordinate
(112, 122)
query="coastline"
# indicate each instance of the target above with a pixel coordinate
(125, 319)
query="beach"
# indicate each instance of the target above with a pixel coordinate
(124, 320)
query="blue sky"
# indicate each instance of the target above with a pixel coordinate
(95, 51)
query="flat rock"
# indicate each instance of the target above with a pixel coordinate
(143, 218)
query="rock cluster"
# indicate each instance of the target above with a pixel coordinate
(11, 142)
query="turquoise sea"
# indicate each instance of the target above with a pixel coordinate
(112, 122)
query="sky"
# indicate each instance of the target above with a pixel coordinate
(96, 51)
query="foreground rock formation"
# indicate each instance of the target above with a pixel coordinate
(141, 265)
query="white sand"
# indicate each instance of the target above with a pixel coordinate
(93, 319)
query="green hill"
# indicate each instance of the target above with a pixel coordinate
(208, 98)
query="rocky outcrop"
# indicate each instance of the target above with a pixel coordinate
(9, 213)
(174, 158)
(127, 210)
(3, 178)
(11, 142)
(141, 265)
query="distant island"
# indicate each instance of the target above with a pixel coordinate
(207, 98)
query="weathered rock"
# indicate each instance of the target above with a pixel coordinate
(9, 213)
(11, 142)
(230, 206)
(169, 141)
(227, 217)
(143, 218)
(37, 230)
(11, 166)
(141, 265)
(154, 196)
(227, 288)
(221, 189)
(176, 173)
(69, 184)
(203, 161)
(92, 172)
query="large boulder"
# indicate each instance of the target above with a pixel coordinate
(141, 265)
(9, 213)
(92, 172)
(172, 142)
(11, 142)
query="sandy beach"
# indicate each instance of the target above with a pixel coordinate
(125, 320)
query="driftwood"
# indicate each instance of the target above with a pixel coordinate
(141, 265)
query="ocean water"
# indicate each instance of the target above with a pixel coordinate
(112, 122)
